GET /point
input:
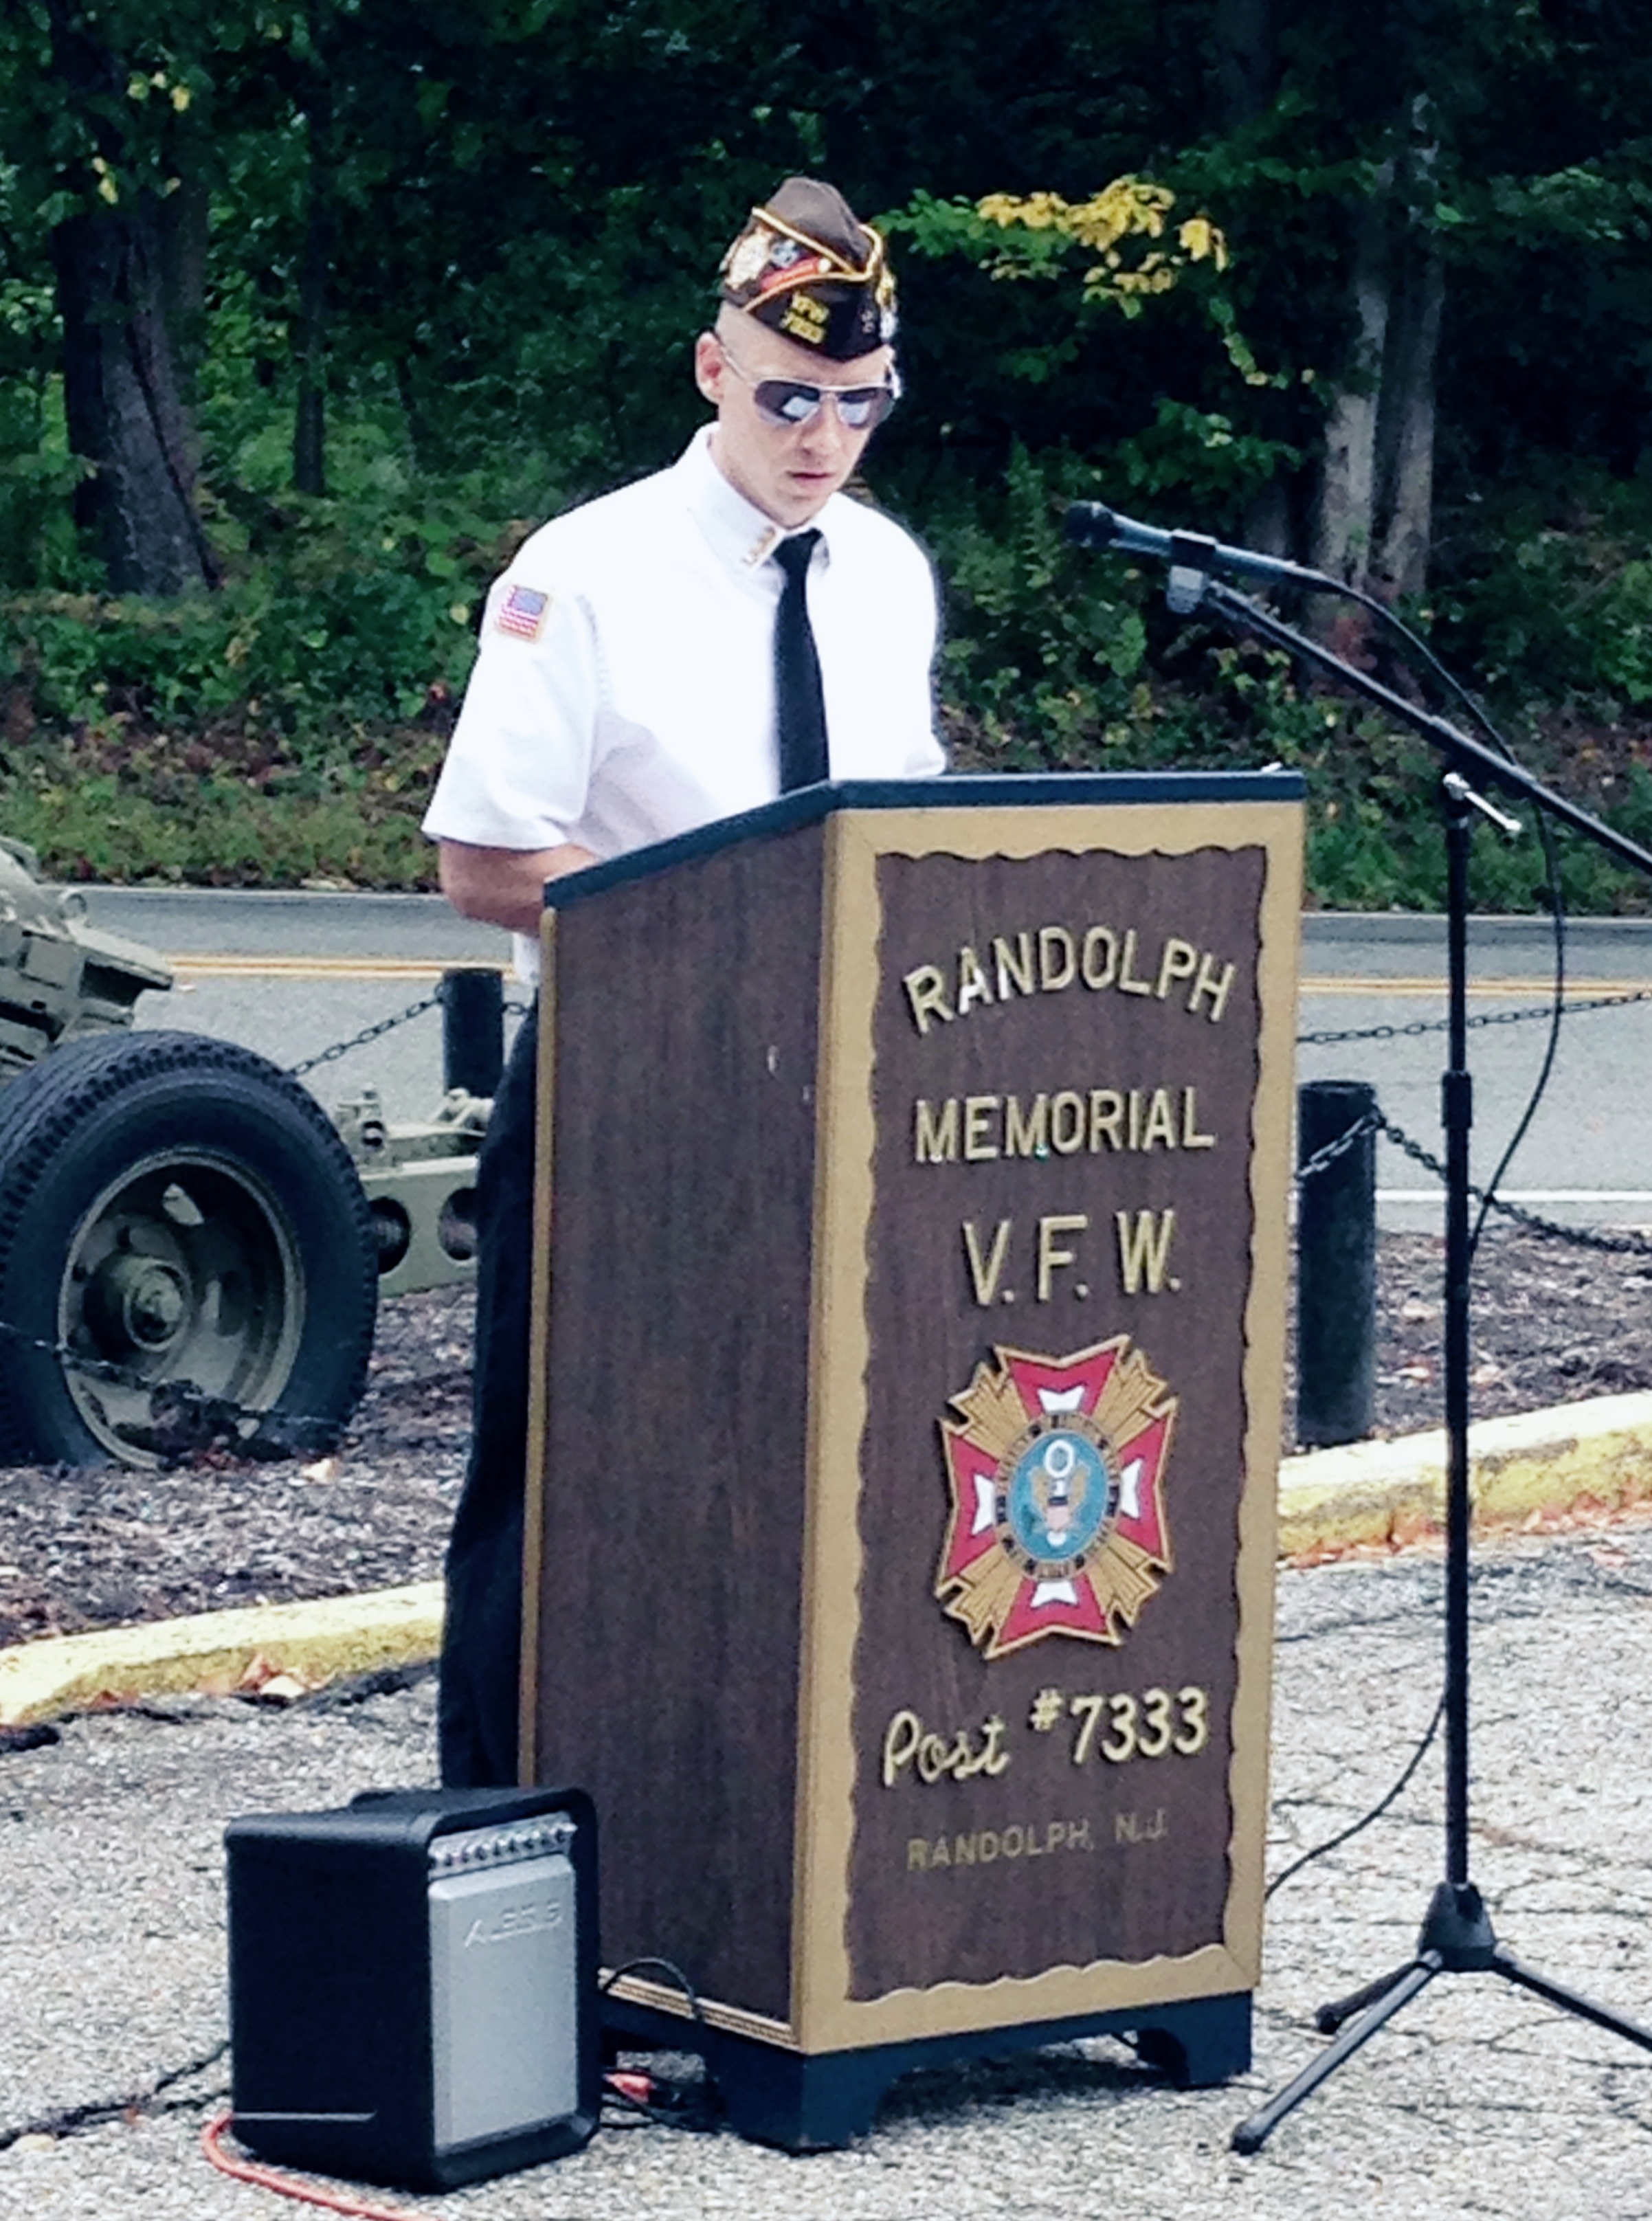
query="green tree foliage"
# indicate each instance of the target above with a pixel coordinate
(392, 283)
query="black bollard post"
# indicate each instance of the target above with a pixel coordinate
(472, 1030)
(1337, 1267)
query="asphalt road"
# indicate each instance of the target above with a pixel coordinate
(1587, 1159)
(289, 974)
(1478, 2101)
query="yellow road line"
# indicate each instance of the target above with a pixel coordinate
(1496, 989)
(195, 967)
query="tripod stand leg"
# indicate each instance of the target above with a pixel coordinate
(1505, 1963)
(1253, 2132)
(1329, 2018)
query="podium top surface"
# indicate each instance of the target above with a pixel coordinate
(952, 790)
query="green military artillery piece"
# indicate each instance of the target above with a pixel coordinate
(191, 1251)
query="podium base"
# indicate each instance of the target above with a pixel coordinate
(821, 2101)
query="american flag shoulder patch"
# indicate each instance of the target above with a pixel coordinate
(521, 613)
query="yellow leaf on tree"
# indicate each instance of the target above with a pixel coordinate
(1128, 207)
(1202, 242)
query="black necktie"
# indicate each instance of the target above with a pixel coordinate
(799, 702)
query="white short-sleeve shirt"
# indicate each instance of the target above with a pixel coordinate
(623, 690)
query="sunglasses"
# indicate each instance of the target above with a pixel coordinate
(785, 402)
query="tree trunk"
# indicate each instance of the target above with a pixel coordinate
(1402, 563)
(1407, 431)
(1245, 37)
(1344, 525)
(120, 397)
(1246, 58)
(127, 417)
(309, 416)
(184, 224)
(1267, 520)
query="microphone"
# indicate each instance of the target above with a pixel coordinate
(1192, 557)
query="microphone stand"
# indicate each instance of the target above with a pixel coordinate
(1457, 1937)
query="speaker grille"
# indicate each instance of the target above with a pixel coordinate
(504, 1996)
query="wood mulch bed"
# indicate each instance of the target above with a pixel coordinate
(101, 1547)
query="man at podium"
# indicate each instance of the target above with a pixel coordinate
(688, 647)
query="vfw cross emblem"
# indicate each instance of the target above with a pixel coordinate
(1056, 1467)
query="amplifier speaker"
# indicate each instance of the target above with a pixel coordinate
(413, 1984)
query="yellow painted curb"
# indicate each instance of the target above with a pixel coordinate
(216, 1651)
(1575, 1457)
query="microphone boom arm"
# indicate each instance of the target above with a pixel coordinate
(1244, 614)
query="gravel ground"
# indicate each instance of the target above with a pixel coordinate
(104, 1547)
(1477, 2101)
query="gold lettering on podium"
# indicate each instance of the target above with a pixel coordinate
(933, 1758)
(1128, 1828)
(1191, 1136)
(1014, 965)
(1058, 960)
(1071, 1122)
(1215, 985)
(1050, 1259)
(973, 986)
(1128, 983)
(1026, 1135)
(1029, 1839)
(985, 1274)
(1178, 962)
(926, 990)
(1099, 963)
(934, 1131)
(1144, 1250)
(980, 1127)
(1142, 1238)
(1049, 959)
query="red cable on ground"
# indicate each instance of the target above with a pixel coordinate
(289, 2186)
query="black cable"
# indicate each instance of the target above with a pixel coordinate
(1557, 911)
(1551, 861)
(696, 2111)
(659, 1967)
(1556, 903)
(1333, 1842)
(95, 2111)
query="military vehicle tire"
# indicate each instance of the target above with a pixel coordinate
(181, 1209)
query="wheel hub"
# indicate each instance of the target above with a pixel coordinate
(138, 1303)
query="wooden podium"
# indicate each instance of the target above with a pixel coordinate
(909, 1332)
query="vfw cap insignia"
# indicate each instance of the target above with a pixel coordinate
(806, 266)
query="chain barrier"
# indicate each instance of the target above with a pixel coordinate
(377, 1031)
(1629, 1245)
(1417, 1027)
(1372, 1122)
(184, 1418)
(1583, 1237)
(368, 1033)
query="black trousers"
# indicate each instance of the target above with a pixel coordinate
(481, 1648)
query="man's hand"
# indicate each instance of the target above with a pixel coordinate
(504, 886)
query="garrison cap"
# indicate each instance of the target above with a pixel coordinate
(806, 266)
